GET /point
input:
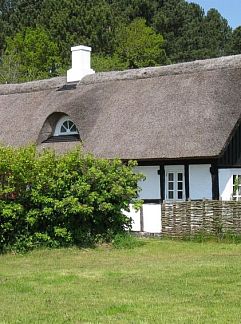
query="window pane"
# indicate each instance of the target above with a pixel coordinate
(236, 187)
(175, 185)
(68, 127)
(179, 185)
(170, 185)
(73, 128)
(179, 195)
(180, 177)
(170, 195)
(170, 176)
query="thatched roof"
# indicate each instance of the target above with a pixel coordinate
(185, 110)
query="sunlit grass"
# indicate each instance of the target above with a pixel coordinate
(158, 282)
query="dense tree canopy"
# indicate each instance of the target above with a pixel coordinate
(140, 46)
(236, 41)
(30, 54)
(176, 30)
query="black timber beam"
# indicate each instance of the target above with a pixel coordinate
(215, 181)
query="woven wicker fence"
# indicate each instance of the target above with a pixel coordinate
(208, 217)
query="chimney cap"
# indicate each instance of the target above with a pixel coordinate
(81, 48)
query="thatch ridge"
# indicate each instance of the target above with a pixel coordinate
(225, 62)
(32, 86)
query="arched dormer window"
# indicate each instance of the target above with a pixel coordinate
(65, 126)
(58, 127)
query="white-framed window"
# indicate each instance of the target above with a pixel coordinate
(236, 187)
(65, 126)
(175, 183)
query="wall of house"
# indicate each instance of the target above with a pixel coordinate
(152, 218)
(200, 181)
(148, 219)
(226, 182)
(151, 185)
(136, 219)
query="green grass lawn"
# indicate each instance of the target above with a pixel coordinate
(160, 282)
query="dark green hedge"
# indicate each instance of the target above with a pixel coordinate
(60, 200)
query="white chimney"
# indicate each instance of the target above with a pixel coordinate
(80, 63)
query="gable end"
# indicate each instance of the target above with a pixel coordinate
(231, 155)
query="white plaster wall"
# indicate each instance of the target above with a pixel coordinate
(151, 185)
(136, 221)
(200, 181)
(226, 182)
(152, 218)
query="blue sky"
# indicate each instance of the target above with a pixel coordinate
(229, 9)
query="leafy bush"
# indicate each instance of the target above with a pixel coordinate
(52, 200)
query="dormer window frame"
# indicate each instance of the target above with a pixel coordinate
(65, 123)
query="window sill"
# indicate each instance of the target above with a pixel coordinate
(63, 138)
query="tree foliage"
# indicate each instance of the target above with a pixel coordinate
(102, 63)
(30, 54)
(140, 46)
(182, 28)
(236, 41)
(217, 34)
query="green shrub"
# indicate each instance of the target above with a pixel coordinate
(52, 200)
